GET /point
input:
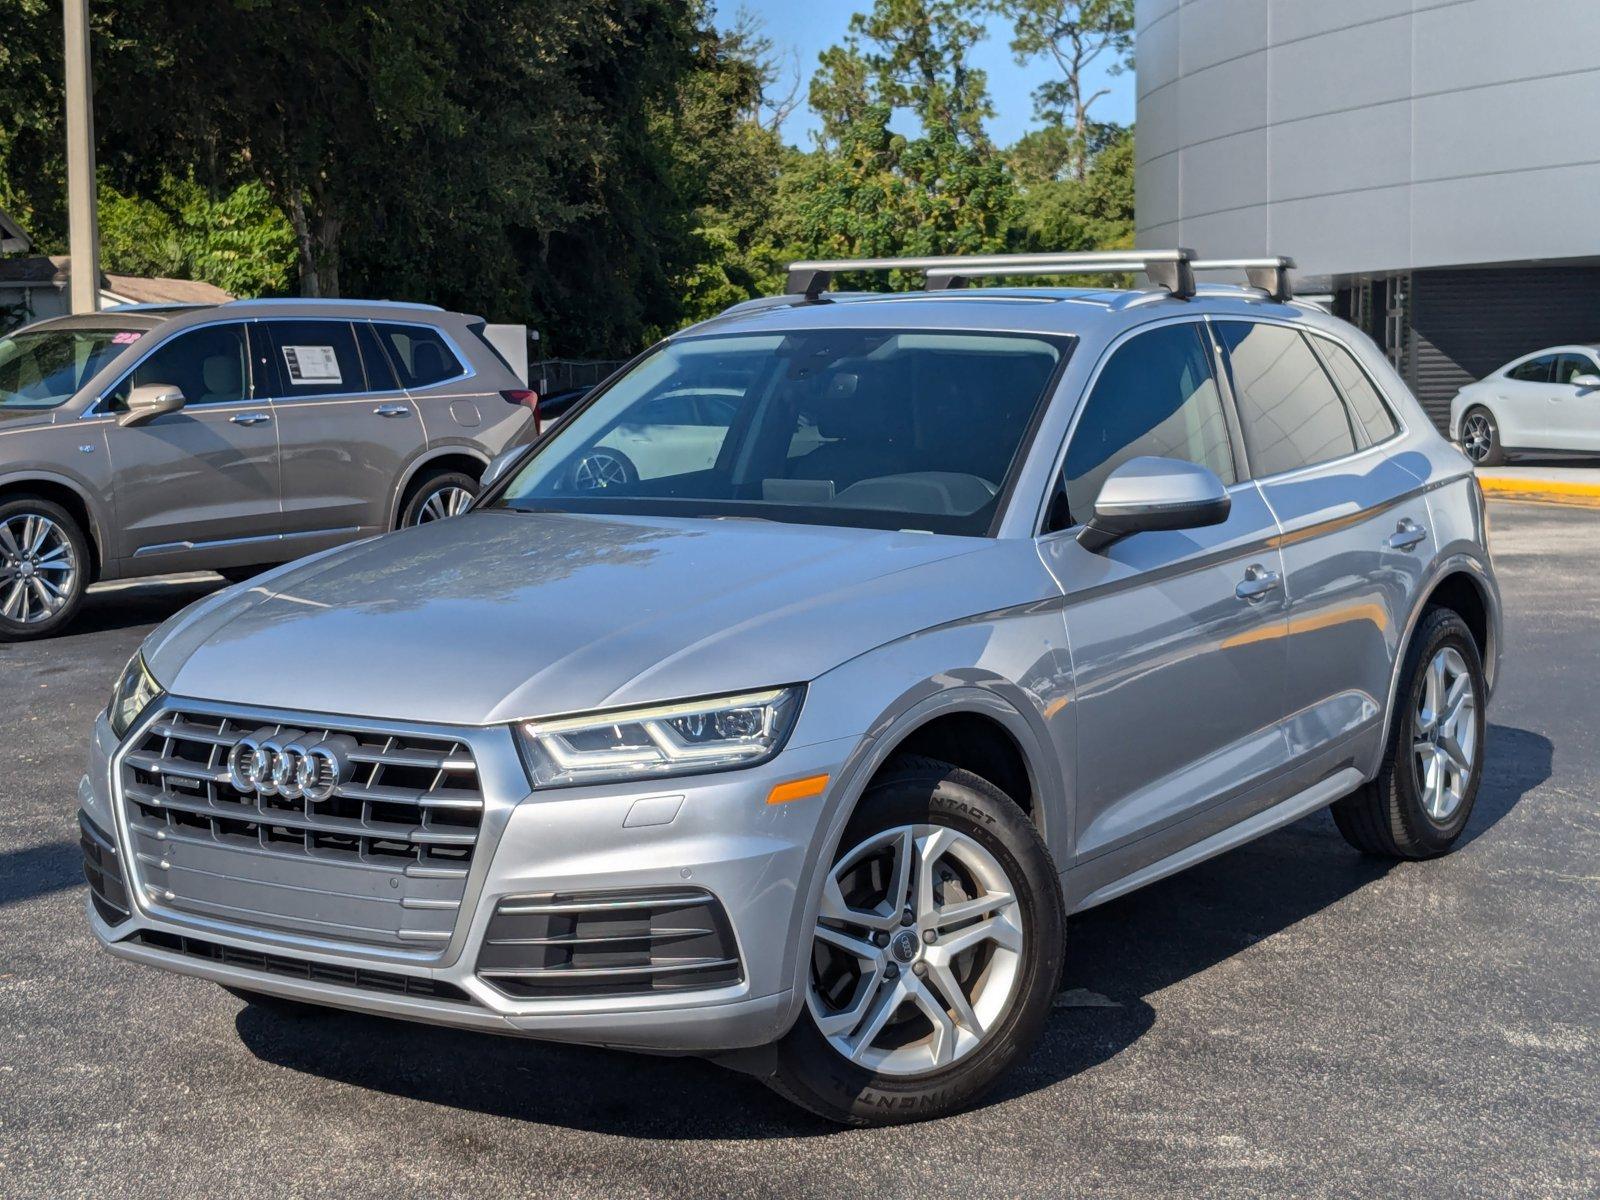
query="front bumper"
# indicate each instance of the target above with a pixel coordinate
(723, 838)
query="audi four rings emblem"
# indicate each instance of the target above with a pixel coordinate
(287, 763)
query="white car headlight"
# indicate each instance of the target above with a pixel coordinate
(132, 695)
(690, 737)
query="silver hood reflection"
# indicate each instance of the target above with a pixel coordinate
(501, 615)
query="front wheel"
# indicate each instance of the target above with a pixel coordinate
(935, 956)
(44, 568)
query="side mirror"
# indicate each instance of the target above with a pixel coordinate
(499, 465)
(1154, 493)
(1584, 382)
(149, 401)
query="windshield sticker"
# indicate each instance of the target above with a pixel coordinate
(312, 364)
(126, 338)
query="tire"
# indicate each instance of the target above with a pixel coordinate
(815, 1072)
(1480, 438)
(600, 468)
(437, 496)
(44, 568)
(1398, 815)
(281, 1005)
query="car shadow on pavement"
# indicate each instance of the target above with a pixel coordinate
(1118, 955)
(38, 871)
(123, 606)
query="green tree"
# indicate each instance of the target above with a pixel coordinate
(1074, 35)
(870, 190)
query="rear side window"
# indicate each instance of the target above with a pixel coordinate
(1291, 414)
(1366, 405)
(420, 355)
(1157, 395)
(315, 358)
(1538, 370)
(211, 366)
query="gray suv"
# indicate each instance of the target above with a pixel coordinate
(782, 704)
(140, 441)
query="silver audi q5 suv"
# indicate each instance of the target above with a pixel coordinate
(781, 704)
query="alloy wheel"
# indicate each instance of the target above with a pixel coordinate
(1477, 437)
(917, 950)
(598, 470)
(38, 568)
(1445, 743)
(447, 502)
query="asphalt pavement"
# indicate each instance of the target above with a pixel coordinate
(1288, 1019)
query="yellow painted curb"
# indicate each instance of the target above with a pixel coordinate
(1549, 491)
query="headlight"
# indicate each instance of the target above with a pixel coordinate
(132, 695)
(672, 739)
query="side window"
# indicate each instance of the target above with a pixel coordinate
(419, 354)
(1291, 414)
(210, 365)
(1157, 395)
(315, 358)
(380, 375)
(1573, 365)
(1366, 405)
(1538, 370)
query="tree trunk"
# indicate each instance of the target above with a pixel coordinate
(317, 241)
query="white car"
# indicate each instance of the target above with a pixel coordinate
(1547, 400)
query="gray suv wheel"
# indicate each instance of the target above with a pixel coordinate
(44, 568)
(935, 956)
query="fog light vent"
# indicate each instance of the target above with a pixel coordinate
(608, 944)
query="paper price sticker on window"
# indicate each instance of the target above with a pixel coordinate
(311, 364)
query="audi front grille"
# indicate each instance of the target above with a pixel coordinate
(376, 853)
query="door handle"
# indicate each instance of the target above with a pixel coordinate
(1258, 582)
(1407, 535)
(392, 410)
(251, 418)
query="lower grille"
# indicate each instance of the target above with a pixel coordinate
(378, 856)
(608, 944)
(294, 968)
(102, 867)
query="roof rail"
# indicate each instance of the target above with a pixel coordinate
(316, 300)
(1271, 275)
(1170, 269)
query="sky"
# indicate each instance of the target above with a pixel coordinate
(808, 27)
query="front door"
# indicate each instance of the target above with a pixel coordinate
(204, 479)
(1574, 410)
(1176, 637)
(345, 442)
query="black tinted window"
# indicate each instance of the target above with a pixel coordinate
(316, 358)
(419, 354)
(1291, 414)
(1536, 370)
(1366, 405)
(380, 375)
(210, 365)
(1156, 396)
(1573, 365)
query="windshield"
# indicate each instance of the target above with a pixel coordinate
(45, 368)
(879, 429)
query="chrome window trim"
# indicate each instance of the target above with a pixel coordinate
(93, 409)
(1042, 512)
(469, 371)
(1402, 429)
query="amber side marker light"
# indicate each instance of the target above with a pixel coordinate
(798, 789)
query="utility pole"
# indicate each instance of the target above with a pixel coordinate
(83, 229)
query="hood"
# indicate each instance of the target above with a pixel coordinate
(501, 615)
(25, 418)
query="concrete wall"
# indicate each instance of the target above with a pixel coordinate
(1370, 135)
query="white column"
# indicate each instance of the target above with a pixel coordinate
(83, 230)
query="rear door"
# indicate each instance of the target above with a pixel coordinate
(195, 483)
(1574, 411)
(1356, 529)
(1178, 656)
(345, 441)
